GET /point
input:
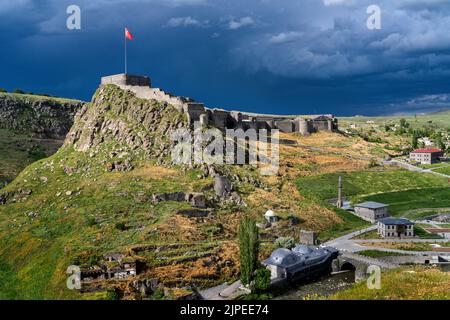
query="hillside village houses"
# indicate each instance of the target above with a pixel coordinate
(427, 142)
(395, 228)
(371, 211)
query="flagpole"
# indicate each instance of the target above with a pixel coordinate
(126, 67)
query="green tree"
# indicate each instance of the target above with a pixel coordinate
(3, 90)
(249, 249)
(439, 142)
(415, 140)
(403, 123)
(18, 91)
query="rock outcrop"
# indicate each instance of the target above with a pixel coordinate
(225, 192)
(197, 200)
(118, 117)
(42, 117)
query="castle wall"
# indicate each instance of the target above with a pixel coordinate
(194, 111)
(222, 119)
(285, 126)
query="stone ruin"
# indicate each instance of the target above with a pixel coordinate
(308, 238)
(222, 119)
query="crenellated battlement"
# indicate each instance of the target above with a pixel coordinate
(222, 119)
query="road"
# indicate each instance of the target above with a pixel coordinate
(411, 167)
(349, 245)
(222, 292)
(345, 243)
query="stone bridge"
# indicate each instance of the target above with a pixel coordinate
(359, 264)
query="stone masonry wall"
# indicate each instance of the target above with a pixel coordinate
(222, 119)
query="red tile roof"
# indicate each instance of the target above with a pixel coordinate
(427, 150)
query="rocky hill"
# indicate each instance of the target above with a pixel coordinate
(31, 127)
(42, 117)
(110, 191)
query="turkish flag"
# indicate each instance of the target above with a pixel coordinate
(128, 34)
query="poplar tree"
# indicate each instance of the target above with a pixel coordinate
(249, 249)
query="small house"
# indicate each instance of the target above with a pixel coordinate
(426, 156)
(271, 216)
(372, 211)
(114, 257)
(92, 273)
(122, 271)
(395, 228)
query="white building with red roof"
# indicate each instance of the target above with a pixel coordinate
(426, 156)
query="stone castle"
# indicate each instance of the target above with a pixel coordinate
(222, 119)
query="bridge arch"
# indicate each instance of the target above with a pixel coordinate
(348, 266)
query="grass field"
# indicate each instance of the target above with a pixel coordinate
(422, 246)
(445, 170)
(369, 182)
(403, 201)
(408, 283)
(440, 119)
(377, 253)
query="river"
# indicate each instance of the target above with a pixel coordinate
(322, 287)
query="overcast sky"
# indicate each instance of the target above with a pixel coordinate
(272, 56)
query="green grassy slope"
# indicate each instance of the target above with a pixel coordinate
(403, 190)
(76, 228)
(36, 97)
(408, 283)
(19, 150)
(70, 209)
(440, 119)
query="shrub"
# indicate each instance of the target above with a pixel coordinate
(90, 221)
(121, 226)
(285, 242)
(373, 163)
(3, 90)
(262, 280)
(93, 260)
(215, 229)
(37, 153)
(158, 294)
(112, 295)
(18, 91)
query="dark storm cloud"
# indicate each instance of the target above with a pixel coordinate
(287, 56)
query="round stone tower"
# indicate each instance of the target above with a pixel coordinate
(303, 126)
